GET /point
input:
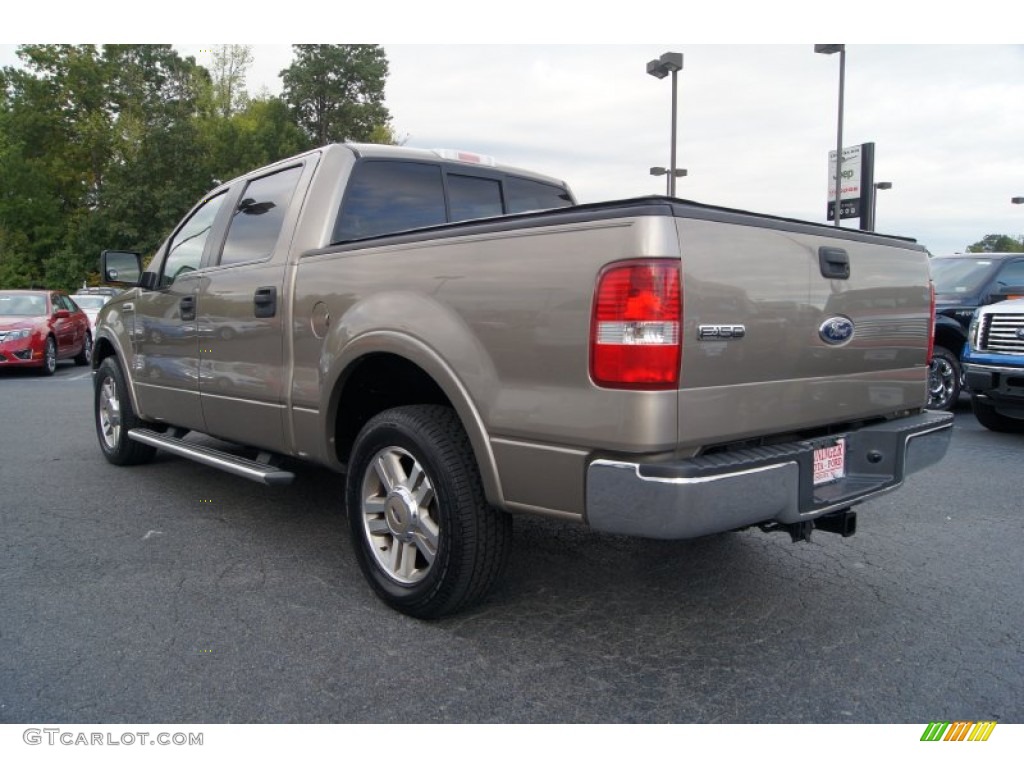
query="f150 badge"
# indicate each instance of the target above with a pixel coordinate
(720, 332)
(836, 330)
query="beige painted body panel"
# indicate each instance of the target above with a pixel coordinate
(781, 375)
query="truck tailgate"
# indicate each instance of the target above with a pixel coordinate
(772, 344)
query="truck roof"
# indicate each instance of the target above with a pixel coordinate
(468, 158)
(388, 151)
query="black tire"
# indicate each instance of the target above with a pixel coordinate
(424, 535)
(990, 418)
(49, 366)
(85, 356)
(115, 416)
(944, 377)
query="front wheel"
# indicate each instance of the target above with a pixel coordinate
(85, 356)
(115, 417)
(943, 380)
(49, 357)
(990, 418)
(425, 537)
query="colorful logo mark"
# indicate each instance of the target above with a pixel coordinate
(959, 731)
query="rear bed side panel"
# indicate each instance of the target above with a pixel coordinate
(781, 375)
(510, 312)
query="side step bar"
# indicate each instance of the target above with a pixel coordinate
(259, 471)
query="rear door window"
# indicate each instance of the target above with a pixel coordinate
(390, 196)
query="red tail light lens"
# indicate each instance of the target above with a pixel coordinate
(635, 338)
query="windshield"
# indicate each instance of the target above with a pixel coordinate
(90, 302)
(22, 305)
(960, 275)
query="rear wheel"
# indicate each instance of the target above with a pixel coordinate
(425, 537)
(990, 418)
(943, 380)
(115, 417)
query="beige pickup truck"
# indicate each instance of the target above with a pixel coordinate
(464, 342)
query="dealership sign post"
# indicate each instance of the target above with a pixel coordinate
(858, 184)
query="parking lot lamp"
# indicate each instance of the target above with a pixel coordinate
(669, 63)
(841, 50)
(678, 173)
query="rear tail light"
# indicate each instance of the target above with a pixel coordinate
(931, 333)
(635, 340)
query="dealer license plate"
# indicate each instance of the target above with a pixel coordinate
(830, 462)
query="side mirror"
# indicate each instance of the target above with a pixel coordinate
(121, 267)
(62, 314)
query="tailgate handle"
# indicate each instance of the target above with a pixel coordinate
(265, 301)
(835, 263)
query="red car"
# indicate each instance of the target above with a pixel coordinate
(38, 328)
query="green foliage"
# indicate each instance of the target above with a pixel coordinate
(998, 244)
(109, 147)
(336, 92)
(230, 63)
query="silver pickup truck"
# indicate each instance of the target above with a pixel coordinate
(462, 341)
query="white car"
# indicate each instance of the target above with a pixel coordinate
(91, 304)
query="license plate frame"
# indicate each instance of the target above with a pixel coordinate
(829, 462)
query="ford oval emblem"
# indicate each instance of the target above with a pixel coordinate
(836, 330)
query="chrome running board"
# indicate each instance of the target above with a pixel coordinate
(259, 471)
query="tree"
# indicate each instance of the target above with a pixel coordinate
(262, 133)
(997, 244)
(336, 92)
(230, 64)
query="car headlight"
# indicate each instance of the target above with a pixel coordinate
(973, 336)
(22, 333)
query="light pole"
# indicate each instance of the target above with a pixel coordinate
(669, 63)
(874, 200)
(678, 173)
(841, 50)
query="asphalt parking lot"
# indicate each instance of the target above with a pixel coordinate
(174, 593)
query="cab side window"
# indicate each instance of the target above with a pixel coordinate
(1011, 275)
(259, 216)
(185, 251)
(528, 195)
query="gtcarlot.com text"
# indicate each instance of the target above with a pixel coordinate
(56, 736)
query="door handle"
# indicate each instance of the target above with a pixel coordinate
(834, 263)
(187, 305)
(265, 301)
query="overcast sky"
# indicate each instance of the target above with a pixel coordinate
(756, 122)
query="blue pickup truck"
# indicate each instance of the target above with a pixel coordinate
(964, 282)
(994, 365)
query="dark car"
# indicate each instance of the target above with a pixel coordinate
(38, 328)
(963, 283)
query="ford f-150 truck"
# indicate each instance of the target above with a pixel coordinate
(994, 364)
(463, 342)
